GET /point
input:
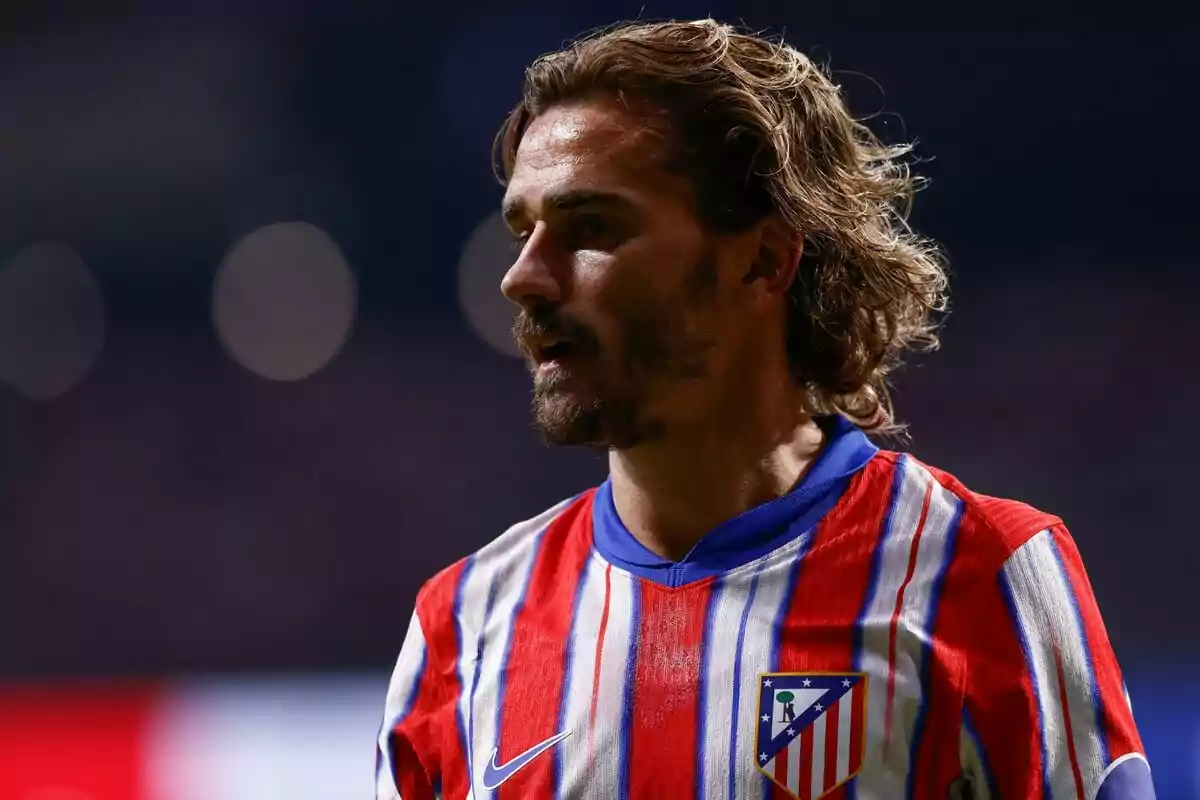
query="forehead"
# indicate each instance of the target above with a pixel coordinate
(589, 147)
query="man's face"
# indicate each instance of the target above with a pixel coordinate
(624, 307)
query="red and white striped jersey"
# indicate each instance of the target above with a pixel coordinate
(879, 632)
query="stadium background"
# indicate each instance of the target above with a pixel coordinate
(254, 386)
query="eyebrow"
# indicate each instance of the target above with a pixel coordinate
(569, 200)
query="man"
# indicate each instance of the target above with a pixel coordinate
(714, 279)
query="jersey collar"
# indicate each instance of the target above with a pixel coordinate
(749, 535)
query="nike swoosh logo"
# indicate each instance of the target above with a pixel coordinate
(494, 775)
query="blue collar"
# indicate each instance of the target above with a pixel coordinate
(752, 534)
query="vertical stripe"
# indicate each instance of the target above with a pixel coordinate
(465, 647)
(664, 726)
(601, 776)
(845, 733)
(793, 782)
(489, 594)
(818, 756)
(1072, 756)
(926, 631)
(894, 627)
(627, 695)
(818, 631)
(778, 626)
(831, 742)
(573, 753)
(534, 672)
(735, 714)
(1049, 725)
(511, 590)
(804, 784)
(740, 645)
(401, 695)
(1046, 612)
(702, 692)
(1092, 741)
(911, 558)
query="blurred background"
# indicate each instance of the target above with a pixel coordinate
(256, 386)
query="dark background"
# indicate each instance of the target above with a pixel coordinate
(167, 511)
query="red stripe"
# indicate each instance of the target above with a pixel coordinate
(434, 717)
(805, 740)
(858, 728)
(893, 629)
(1000, 696)
(831, 744)
(596, 668)
(818, 632)
(1066, 712)
(536, 668)
(662, 739)
(781, 765)
(1115, 717)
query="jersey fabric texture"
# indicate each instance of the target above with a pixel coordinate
(879, 632)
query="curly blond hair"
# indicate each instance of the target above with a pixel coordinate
(758, 129)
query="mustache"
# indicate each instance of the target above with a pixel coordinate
(539, 324)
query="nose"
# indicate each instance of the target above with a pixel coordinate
(530, 281)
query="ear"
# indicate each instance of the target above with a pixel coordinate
(778, 257)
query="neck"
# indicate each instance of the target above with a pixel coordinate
(670, 493)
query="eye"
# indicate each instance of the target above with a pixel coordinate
(591, 232)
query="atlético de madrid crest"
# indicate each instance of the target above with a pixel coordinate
(811, 730)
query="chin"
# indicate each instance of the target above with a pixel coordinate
(567, 419)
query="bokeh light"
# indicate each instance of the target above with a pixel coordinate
(52, 320)
(284, 301)
(484, 260)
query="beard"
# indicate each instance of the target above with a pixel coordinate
(597, 395)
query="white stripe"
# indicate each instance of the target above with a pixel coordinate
(845, 724)
(793, 780)
(585, 632)
(818, 756)
(1049, 624)
(605, 763)
(733, 591)
(399, 698)
(501, 567)
(510, 580)
(885, 768)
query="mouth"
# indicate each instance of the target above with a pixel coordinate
(553, 351)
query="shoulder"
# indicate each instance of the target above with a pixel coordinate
(986, 529)
(505, 558)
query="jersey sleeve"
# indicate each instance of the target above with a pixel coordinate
(1045, 708)
(408, 718)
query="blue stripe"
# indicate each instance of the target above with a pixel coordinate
(487, 617)
(1097, 702)
(988, 778)
(737, 682)
(1011, 603)
(781, 613)
(502, 683)
(635, 620)
(927, 626)
(885, 533)
(568, 657)
(710, 616)
(463, 741)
